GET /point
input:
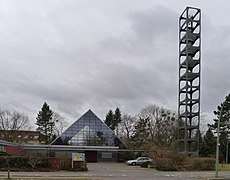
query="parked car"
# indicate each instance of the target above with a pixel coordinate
(138, 161)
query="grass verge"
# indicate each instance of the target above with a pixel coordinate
(224, 167)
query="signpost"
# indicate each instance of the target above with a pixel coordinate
(78, 157)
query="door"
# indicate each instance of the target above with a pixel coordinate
(91, 156)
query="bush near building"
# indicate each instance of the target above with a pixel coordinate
(23, 163)
(4, 153)
(168, 164)
(148, 164)
(200, 164)
(166, 160)
(18, 163)
(185, 164)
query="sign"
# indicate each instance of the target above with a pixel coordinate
(78, 156)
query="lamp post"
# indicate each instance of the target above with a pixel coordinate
(218, 140)
(227, 152)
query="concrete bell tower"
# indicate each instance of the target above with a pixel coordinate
(189, 80)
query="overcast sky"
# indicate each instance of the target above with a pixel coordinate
(102, 54)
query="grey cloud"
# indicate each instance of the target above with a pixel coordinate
(149, 25)
(150, 32)
(215, 60)
(81, 55)
(151, 44)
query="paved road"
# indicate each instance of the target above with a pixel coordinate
(115, 171)
(120, 171)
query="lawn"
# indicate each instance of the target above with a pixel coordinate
(224, 167)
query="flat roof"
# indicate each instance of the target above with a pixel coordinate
(70, 148)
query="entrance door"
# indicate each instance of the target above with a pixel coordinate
(91, 156)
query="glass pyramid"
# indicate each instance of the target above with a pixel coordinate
(88, 130)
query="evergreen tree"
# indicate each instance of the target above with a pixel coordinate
(140, 135)
(113, 119)
(117, 119)
(224, 124)
(208, 147)
(198, 137)
(109, 121)
(45, 123)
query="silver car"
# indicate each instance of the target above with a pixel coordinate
(138, 161)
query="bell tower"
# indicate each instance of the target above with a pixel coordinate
(189, 80)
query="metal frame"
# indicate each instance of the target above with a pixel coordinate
(88, 130)
(189, 80)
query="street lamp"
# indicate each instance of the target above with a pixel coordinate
(218, 140)
(227, 151)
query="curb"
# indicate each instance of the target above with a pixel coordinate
(219, 178)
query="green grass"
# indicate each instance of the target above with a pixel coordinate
(224, 167)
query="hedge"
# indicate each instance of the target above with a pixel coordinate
(18, 163)
(201, 164)
(188, 164)
(22, 163)
(4, 153)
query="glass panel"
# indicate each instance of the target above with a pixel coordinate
(88, 130)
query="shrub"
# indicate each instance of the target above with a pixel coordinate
(200, 164)
(54, 163)
(166, 160)
(166, 164)
(148, 164)
(43, 163)
(192, 164)
(18, 163)
(65, 163)
(38, 164)
(34, 161)
(4, 153)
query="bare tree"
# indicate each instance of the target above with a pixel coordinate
(60, 123)
(11, 121)
(153, 113)
(127, 125)
(161, 125)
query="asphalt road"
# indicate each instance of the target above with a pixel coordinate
(120, 171)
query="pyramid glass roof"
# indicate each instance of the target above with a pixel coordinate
(88, 130)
